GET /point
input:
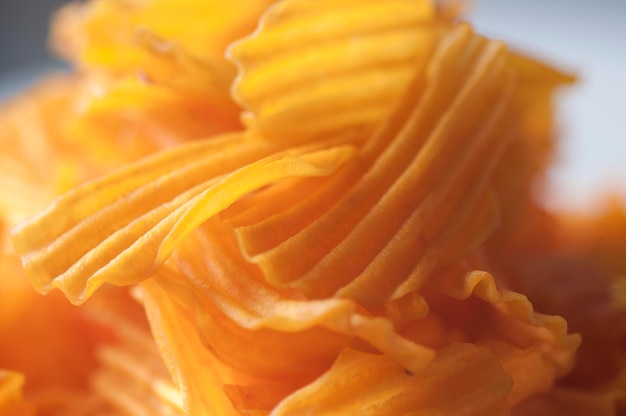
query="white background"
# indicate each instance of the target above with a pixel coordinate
(589, 39)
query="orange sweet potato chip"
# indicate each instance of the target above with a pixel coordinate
(331, 215)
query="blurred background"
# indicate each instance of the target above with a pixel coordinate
(24, 50)
(586, 37)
